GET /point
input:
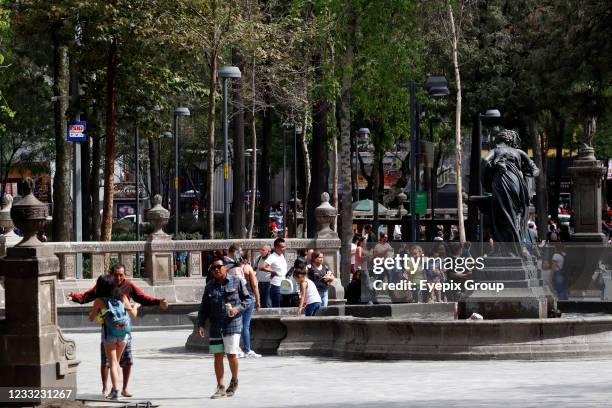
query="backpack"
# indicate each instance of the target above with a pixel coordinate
(116, 319)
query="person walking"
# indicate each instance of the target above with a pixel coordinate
(263, 277)
(321, 275)
(132, 292)
(113, 310)
(243, 270)
(276, 265)
(224, 300)
(310, 300)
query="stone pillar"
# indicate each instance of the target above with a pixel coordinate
(587, 242)
(128, 261)
(194, 264)
(159, 264)
(97, 265)
(586, 175)
(325, 215)
(33, 352)
(67, 266)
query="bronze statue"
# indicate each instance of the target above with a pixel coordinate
(504, 173)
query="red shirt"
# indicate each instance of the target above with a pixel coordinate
(127, 288)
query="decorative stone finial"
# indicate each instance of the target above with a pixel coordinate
(6, 223)
(325, 215)
(158, 216)
(29, 215)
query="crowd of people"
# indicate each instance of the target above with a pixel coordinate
(234, 290)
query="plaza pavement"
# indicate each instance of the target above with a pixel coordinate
(167, 375)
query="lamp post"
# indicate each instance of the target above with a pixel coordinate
(489, 114)
(363, 135)
(166, 134)
(436, 86)
(297, 130)
(178, 112)
(225, 73)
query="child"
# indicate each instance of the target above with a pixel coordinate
(309, 295)
(113, 311)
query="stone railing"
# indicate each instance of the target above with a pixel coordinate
(125, 253)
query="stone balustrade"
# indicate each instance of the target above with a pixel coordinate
(125, 252)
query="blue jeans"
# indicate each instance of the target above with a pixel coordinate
(275, 296)
(246, 327)
(312, 308)
(324, 297)
(264, 294)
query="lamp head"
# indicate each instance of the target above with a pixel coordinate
(229, 72)
(491, 113)
(437, 85)
(363, 132)
(182, 111)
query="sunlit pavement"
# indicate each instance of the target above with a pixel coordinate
(167, 375)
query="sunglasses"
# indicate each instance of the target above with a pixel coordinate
(217, 267)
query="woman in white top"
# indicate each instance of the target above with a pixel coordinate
(309, 295)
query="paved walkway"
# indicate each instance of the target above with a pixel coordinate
(167, 375)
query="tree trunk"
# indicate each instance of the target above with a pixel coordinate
(458, 158)
(318, 183)
(307, 174)
(556, 191)
(210, 174)
(376, 191)
(541, 190)
(96, 218)
(109, 162)
(346, 208)
(264, 179)
(62, 183)
(334, 140)
(238, 165)
(474, 185)
(154, 155)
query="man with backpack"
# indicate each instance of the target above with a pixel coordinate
(132, 292)
(225, 299)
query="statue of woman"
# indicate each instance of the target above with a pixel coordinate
(504, 175)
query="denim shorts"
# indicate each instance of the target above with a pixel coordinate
(109, 338)
(126, 358)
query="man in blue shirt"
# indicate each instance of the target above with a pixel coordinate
(224, 300)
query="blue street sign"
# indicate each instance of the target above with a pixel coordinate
(76, 131)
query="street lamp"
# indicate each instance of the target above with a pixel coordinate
(363, 135)
(297, 130)
(166, 134)
(436, 86)
(475, 182)
(178, 112)
(226, 73)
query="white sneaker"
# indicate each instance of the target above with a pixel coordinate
(252, 354)
(241, 354)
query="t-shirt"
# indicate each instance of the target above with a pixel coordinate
(278, 264)
(559, 259)
(353, 250)
(262, 276)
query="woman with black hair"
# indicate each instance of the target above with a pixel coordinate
(113, 311)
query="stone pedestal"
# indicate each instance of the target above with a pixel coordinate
(586, 175)
(33, 352)
(159, 265)
(522, 297)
